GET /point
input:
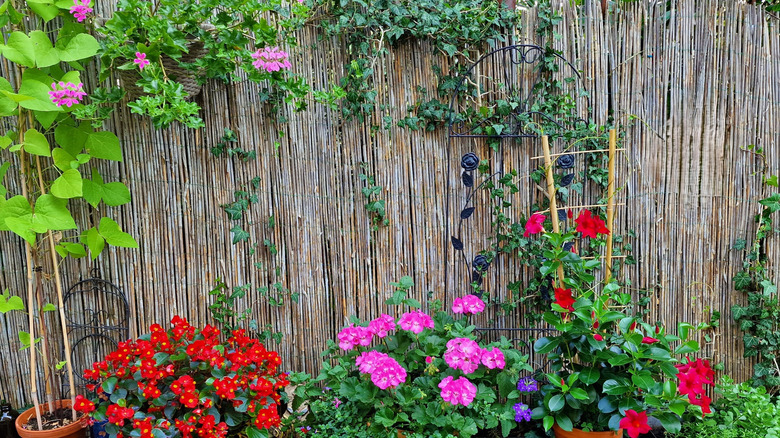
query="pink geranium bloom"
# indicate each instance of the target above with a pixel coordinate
(457, 392)
(271, 59)
(140, 60)
(382, 325)
(493, 359)
(469, 305)
(535, 224)
(368, 361)
(352, 336)
(66, 93)
(80, 9)
(415, 321)
(463, 354)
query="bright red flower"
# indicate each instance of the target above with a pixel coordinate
(635, 423)
(589, 225)
(535, 224)
(598, 337)
(83, 404)
(564, 299)
(649, 340)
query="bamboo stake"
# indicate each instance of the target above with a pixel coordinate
(44, 347)
(30, 293)
(60, 302)
(551, 194)
(610, 199)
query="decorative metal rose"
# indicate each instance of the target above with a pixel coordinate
(469, 162)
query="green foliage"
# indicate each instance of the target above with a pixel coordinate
(740, 411)
(229, 30)
(375, 206)
(223, 307)
(456, 30)
(760, 317)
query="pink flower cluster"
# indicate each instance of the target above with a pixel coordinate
(385, 371)
(465, 354)
(415, 321)
(457, 392)
(80, 9)
(352, 336)
(271, 59)
(140, 60)
(66, 93)
(470, 305)
(382, 325)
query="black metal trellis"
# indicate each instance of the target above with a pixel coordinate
(98, 318)
(518, 124)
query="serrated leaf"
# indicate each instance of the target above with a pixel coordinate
(466, 213)
(772, 202)
(105, 145)
(457, 244)
(114, 235)
(68, 185)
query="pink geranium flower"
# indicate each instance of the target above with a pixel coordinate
(463, 354)
(415, 321)
(493, 359)
(469, 305)
(80, 9)
(140, 60)
(457, 392)
(352, 336)
(382, 325)
(66, 93)
(271, 59)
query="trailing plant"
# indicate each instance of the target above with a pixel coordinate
(164, 40)
(186, 381)
(49, 143)
(760, 317)
(426, 375)
(375, 206)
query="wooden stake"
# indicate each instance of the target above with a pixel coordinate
(610, 200)
(551, 195)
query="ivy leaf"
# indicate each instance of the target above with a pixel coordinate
(36, 143)
(68, 185)
(772, 181)
(457, 244)
(239, 235)
(114, 235)
(19, 49)
(742, 281)
(450, 49)
(105, 145)
(772, 202)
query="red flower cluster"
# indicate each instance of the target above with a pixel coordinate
(693, 376)
(172, 380)
(589, 225)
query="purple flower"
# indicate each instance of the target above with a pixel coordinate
(66, 93)
(527, 384)
(522, 413)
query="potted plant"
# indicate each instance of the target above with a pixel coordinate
(416, 375)
(188, 381)
(610, 370)
(45, 146)
(165, 49)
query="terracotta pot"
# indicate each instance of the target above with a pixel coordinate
(73, 430)
(577, 433)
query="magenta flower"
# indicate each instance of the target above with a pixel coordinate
(535, 224)
(382, 325)
(415, 321)
(469, 305)
(66, 93)
(352, 336)
(337, 402)
(457, 392)
(271, 59)
(388, 373)
(463, 354)
(493, 359)
(80, 9)
(429, 359)
(368, 361)
(140, 60)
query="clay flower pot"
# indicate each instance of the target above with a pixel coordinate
(577, 433)
(72, 430)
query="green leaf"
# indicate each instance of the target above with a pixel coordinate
(81, 46)
(114, 235)
(105, 145)
(35, 143)
(48, 307)
(579, 393)
(253, 432)
(75, 249)
(772, 181)
(9, 303)
(7, 105)
(643, 380)
(62, 159)
(670, 422)
(71, 138)
(564, 422)
(24, 338)
(115, 194)
(45, 55)
(3, 169)
(589, 376)
(239, 234)
(688, 347)
(52, 213)
(92, 192)
(506, 383)
(613, 387)
(37, 84)
(772, 202)
(95, 243)
(556, 403)
(742, 280)
(45, 9)
(19, 49)
(68, 185)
